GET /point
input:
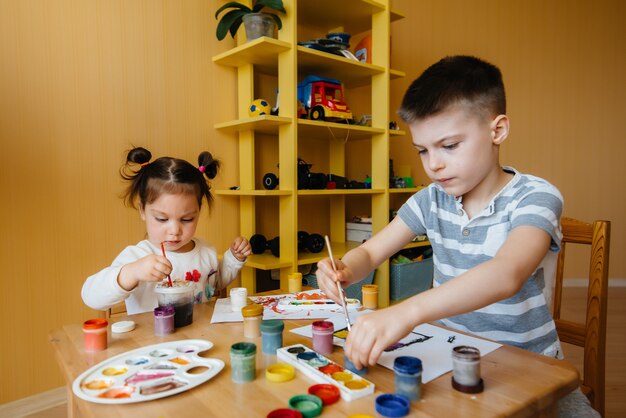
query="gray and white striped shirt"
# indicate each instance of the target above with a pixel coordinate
(459, 244)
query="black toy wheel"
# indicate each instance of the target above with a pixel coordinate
(270, 181)
(317, 113)
(315, 243)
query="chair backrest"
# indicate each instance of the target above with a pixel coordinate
(592, 334)
(116, 311)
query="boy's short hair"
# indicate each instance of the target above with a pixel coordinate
(454, 80)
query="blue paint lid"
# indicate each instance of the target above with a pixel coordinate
(407, 365)
(392, 405)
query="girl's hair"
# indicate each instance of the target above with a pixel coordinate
(166, 175)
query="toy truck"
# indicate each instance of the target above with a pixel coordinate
(323, 99)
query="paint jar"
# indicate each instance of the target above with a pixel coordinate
(323, 337)
(408, 376)
(466, 369)
(295, 282)
(348, 365)
(252, 317)
(243, 362)
(238, 298)
(370, 296)
(95, 334)
(163, 320)
(272, 333)
(180, 297)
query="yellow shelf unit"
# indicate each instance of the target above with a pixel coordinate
(284, 59)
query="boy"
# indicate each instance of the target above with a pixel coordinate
(495, 232)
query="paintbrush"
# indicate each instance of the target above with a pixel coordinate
(169, 279)
(341, 294)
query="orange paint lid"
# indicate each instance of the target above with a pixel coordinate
(95, 324)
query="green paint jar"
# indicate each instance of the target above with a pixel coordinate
(243, 362)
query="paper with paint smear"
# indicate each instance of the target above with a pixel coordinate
(223, 313)
(431, 344)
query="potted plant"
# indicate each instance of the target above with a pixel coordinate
(257, 24)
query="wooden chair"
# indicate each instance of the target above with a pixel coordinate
(592, 334)
(116, 311)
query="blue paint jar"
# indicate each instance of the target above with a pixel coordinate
(348, 365)
(408, 376)
(272, 335)
(243, 362)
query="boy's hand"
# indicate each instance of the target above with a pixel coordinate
(327, 278)
(372, 333)
(240, 248)
(151, 268)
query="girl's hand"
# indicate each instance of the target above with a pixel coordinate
(151, 268)
(240, 248)
(372, 333)
(327, 278)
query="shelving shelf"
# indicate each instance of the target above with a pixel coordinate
(261, 52)
(289, 62)
(266, 124)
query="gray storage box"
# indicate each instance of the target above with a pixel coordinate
(410, 279)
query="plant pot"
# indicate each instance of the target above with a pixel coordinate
(259, 24)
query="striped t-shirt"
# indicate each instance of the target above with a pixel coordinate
(459, 244)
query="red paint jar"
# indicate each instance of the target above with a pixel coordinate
(323, 337)
(95, 333)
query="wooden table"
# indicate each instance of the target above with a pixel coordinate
(517, 382)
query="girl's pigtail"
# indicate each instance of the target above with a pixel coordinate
(208, 165)
(136, 156)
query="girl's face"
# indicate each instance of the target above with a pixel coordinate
(172, 219)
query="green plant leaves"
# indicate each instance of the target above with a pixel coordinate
(231, 21)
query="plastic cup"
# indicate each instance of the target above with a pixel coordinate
(180, 297)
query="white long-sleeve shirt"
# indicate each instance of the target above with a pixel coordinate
(201, 265)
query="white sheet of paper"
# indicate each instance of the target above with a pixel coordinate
(435, 352)
(223, 312)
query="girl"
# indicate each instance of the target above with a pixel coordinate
(168, 193)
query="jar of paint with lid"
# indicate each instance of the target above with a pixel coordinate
(295, 282)
(408, 376)
(252, 317)
(163, 320)
(243, 362)
(95, 334)
(323, 337)
(238, 298)
(370, 296)
(272, 333)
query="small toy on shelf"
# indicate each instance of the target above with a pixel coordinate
(323, 99)
(259, 107)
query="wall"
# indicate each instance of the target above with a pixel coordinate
(82, 80)
(563, 63)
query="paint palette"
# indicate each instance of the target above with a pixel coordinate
(148, 373)
(290, 304)
(322, 370)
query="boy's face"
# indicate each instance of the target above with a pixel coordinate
(459, 148)
(172, 219)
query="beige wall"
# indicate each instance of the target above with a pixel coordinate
(82, 80)
(563, 63)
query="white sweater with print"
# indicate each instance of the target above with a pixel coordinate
(201, 265)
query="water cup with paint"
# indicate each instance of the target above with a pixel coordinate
(180, 297)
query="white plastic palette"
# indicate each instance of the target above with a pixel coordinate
(291, 304)
(148, 373)
(320, 369)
